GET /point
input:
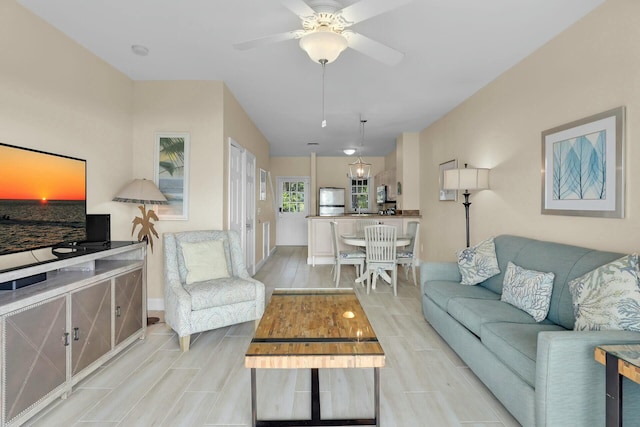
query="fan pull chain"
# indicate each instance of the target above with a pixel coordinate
(324, 121)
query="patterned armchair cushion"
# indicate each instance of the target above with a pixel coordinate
(478, 263)
(220, 292)
(528, 290)
(201, 236)
(608, 298)
(204, 260)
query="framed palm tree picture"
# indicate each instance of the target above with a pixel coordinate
(172, 174)
(583, 166)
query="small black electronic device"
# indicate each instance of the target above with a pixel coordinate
(98, 228)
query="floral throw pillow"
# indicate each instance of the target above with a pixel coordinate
(608, 298)
(529, 290)
(478, 262)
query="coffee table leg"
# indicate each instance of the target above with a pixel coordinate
(254, 405)
(315, 395)
(614, 392)
(376, 394)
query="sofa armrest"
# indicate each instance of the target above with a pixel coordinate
(446, 271)
(570, 384)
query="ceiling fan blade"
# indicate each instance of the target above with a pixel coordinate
(365, 9)
(298, 7)
(263, 41)
(374, 49)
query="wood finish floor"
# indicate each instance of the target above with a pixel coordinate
(152, 383)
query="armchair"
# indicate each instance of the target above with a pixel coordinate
(210, 304)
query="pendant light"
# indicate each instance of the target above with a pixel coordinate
(360, 169)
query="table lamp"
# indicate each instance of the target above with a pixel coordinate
(144, 192)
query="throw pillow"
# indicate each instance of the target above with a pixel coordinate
(478, 262)
(608, 298)
(529, 290)
(204, 260)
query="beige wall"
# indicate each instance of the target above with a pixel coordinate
(209, 112)
(591, 67)
(408, 170)
(195, 107)
(57, 97)
(330, 171)
(239, 126)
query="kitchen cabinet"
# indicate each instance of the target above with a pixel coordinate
(56, 332)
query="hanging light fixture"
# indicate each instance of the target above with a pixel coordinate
(360, 169)
(323, 44)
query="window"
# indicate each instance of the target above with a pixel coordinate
(360, 194)
(293, 196)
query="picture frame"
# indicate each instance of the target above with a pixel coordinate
(583, 167)
(447, 195)
(171, 174)
(263, 184)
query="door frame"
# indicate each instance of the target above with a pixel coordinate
(242, 200)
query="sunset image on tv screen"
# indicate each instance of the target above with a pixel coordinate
(42, 199)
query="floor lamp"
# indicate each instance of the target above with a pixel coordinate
(466, 179)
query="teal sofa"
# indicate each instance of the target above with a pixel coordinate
(543, 373)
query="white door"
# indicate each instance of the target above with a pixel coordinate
(293, 208)
(236, 201)
(242, 183)
(250, 217)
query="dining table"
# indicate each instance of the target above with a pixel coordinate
(358, 240)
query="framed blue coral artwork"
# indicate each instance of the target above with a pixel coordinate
(583, 167)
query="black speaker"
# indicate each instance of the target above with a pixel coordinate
(98, 227)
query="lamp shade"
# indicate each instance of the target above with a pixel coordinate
(141, 191)
(466, 179)
(323, 44)
(359, 169)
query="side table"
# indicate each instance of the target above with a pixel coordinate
(620, 361)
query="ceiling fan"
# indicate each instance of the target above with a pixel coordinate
(325, 34)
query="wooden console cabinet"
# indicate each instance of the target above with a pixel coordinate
(56, 332)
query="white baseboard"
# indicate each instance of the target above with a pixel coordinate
(261, 263)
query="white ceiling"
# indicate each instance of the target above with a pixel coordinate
(452, 49)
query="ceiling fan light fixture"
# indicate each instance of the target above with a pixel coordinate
(323, 44)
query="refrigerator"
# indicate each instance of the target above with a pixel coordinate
(331, 201)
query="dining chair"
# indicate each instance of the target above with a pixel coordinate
(355, 257)
(408, 257)
(380, 241)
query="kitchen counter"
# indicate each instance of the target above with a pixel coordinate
(320, 250)
(364, 215)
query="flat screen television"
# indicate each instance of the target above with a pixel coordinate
(42, 199)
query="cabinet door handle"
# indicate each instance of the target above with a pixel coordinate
(65, 338)
(118, 311)
(76, 334)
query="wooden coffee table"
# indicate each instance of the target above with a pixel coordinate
(314, 329)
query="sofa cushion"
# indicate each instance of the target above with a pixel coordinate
(478, 262)
(608, 298)
(441, 292)
(220, 292)
(473, 313)
(200, 236)
(529, 290)
(516, 344)
(565, 261)
(206, 260)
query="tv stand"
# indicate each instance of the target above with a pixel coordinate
(89, 306)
